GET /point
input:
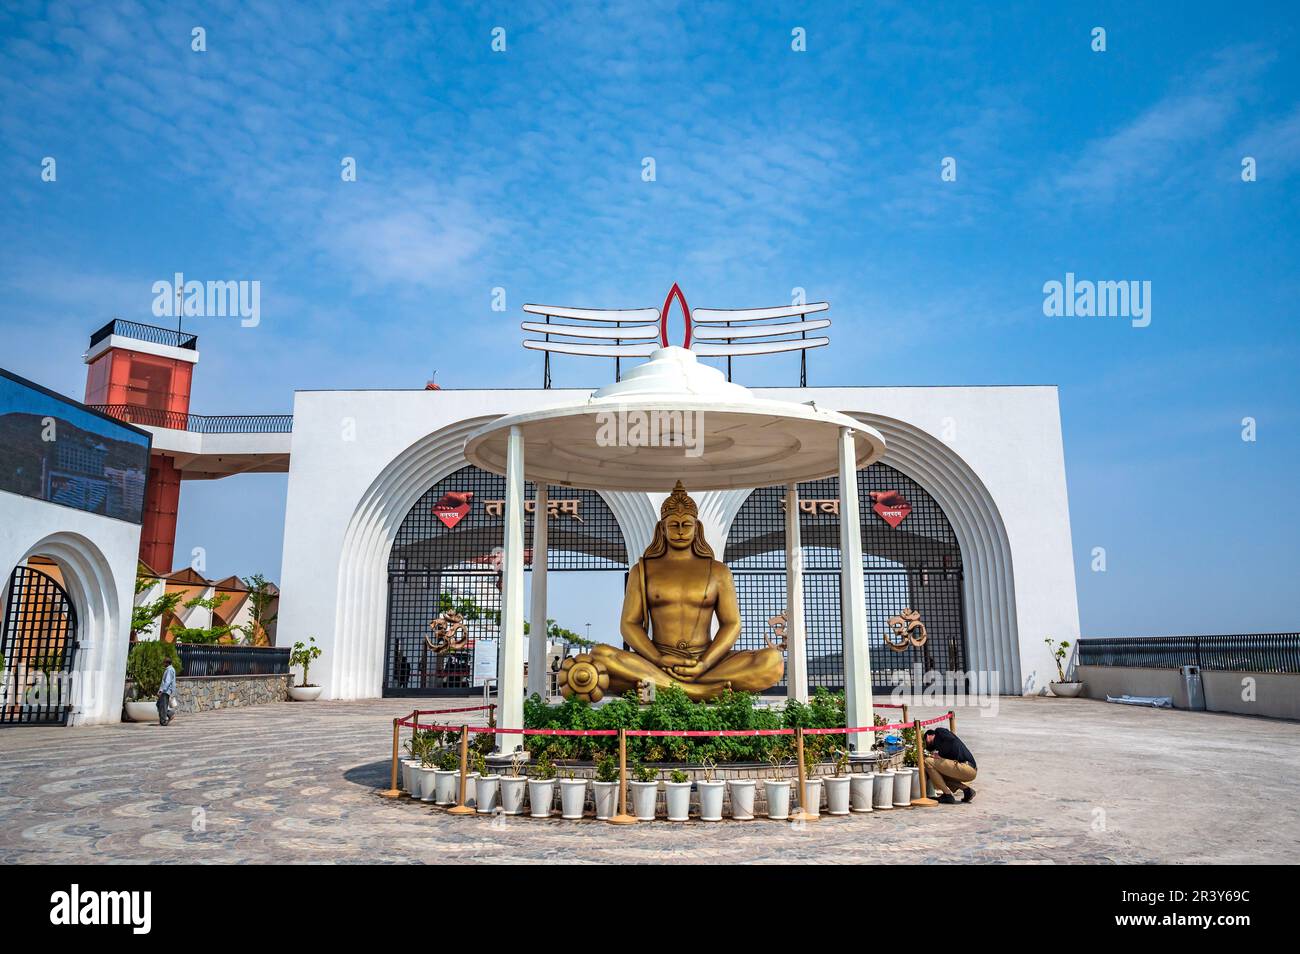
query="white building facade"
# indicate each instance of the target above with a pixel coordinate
(363, 465)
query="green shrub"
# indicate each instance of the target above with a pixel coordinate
(672, 710)
(607, 769)
(145, 665)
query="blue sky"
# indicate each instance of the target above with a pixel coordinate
(775, 169)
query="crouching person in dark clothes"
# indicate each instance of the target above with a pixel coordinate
(949, 765)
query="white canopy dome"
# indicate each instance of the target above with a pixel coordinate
(673, 418)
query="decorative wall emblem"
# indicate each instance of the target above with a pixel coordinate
(452, 507)
(909, 629)
(891, 506)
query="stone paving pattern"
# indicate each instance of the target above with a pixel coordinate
(1061, 781)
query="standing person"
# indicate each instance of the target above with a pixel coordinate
(951, 767)
(165, 693)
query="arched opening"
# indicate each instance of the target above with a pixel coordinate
(446, 555)
(38, 645)
(911, 557)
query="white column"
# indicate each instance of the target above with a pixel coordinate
(796, 654)
(853, 607)
(510, 658)
(537, 668)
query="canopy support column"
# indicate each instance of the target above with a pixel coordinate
(858, 707)
(537, 641)
(796, 653)
(510, 657)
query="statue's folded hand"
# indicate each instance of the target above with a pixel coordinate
(689, 670)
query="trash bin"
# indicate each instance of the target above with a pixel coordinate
(1195, 688)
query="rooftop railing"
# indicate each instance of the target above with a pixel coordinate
(151, 333)
(198, 423)
(1240, 652)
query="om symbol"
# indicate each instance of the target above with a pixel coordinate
(904, 626)
(449, 633)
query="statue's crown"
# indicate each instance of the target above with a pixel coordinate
(678, 502)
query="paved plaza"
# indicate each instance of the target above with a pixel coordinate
(1061, 781)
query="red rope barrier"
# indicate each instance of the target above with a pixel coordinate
(680, 733)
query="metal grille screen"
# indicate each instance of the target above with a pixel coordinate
(447, 552)
(915, 565)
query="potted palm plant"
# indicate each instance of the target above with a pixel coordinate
(903, 786)
(742, 797)
(1063, 687)
(303, 655)
(513, 787)
(711, 793)
(883, 789)
(445, 777)
(777, 789)
(606, 788)
(812, 785)
(678, 796)
(837, 786)
(573, 796)
(425, 774)
(861, 791)
(645, 792)
(541, 787)
(485, 786)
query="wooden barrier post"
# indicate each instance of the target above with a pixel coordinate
(622, 818)
(952, 722)
(905, 718)
(393, 791)
(460, 808)
(803, 814)
(923, 801)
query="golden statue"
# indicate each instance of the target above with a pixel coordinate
(673, 593)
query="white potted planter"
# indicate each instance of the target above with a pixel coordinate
(742, 798)
(142, 711)
(861, 789)
(424, 782)
(916, 784)
(606, 799)
(444, 786)
(541, 796)
(512, 788)
(486, 790)
(1066, 690)
(837, 794)
(305, 693)
(678, 797)
(903, 787)
(883, 789)
(471, 782)
(814, 788)
(778, 798)
(408, 775)
(573, 797)
(645, 798)
(711, 797)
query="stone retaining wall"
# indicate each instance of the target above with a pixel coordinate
(203, 693)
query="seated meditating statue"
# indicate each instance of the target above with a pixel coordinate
(673, 593)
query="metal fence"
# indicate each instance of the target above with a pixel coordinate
(150, 333)
(217, 660)
(198, 423)
(1246, 652)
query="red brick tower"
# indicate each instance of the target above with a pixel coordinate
(142, 374)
